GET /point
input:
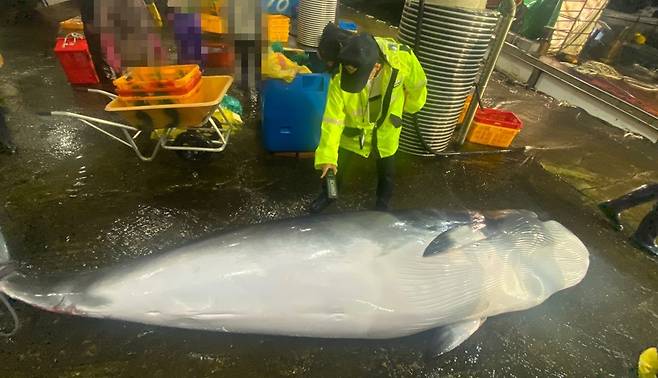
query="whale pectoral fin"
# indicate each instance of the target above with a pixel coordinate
(454, 238)
(451, 336)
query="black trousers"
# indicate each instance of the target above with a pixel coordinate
(6, 144)
(93, 37)
(250, 63)
(647, 231)
(385, 174)
(639, 196)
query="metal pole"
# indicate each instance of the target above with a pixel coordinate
(509, 11)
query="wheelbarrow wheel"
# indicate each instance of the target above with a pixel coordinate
(193, 139)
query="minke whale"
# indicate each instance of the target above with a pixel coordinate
(364, 275)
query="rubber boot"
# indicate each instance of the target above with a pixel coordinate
(646, 234)
(7, 145)
(613, 208)
(320, 204)
(385, 183)
(381, 205)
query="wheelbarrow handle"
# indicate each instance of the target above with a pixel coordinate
(89, 119)
(112, 96)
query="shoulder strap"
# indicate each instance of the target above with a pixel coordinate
(386, 104)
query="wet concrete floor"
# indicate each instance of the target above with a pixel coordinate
(72, 200)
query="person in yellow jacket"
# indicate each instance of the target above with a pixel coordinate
(378, 80)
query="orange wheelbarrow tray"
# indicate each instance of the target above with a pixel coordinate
(188, 128)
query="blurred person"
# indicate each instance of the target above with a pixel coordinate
(92, 34)
(245, 28)
(120, 34)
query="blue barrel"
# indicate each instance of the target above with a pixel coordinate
(292, 113)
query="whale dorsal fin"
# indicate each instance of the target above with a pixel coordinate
(454, 238)
(451, 336)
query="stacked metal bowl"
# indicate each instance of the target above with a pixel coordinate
(313, 16)
(452, 47)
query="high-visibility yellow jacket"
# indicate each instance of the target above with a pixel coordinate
(346, 121)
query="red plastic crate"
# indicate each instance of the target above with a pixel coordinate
(500, 118)
(74, 56)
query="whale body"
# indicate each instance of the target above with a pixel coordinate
(371, 275)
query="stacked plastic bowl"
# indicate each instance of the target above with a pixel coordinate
(313, 16)
(453, 44)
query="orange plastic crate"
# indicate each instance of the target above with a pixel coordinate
(492, 135)
(278, 28)
(187, 98)
(178, 92)
(169, 80)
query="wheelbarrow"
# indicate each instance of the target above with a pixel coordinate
(194, 130)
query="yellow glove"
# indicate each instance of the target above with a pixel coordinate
(647, 366)
(640, 39)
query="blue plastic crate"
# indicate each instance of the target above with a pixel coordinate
(292, 113)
